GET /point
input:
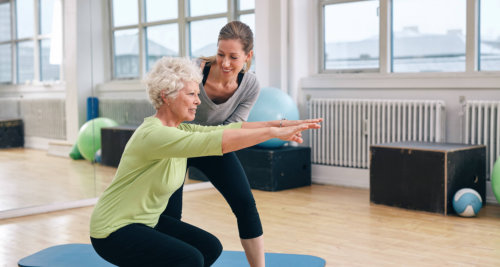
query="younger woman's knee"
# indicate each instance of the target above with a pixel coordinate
(194, 258)
(213, 250)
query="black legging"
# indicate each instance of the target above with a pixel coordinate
(227, 175)
(171, 243)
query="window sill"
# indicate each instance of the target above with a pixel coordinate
(488, 80)
(39, 87)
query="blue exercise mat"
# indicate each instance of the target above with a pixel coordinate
(83, 255)
(238, 259)
(74, 255)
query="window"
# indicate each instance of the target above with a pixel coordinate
(161, 40)
(145, 30)
(26, 54)
(246, 13)
(203, 7)
(203, 35)
(351, 36)
(489, 58)
(423, 40)
(409, 36)
(5, 43)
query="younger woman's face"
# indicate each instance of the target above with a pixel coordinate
(231, 57)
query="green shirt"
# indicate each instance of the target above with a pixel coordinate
(152, 168)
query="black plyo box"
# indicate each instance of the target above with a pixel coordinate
(113, 142)
(425, 176)
(11, 133)
(274, 169)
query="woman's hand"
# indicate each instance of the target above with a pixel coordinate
(252, 133)
(294, 133)
(287, 123)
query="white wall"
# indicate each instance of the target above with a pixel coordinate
(282, 43)
(270, 42)
(86, 57)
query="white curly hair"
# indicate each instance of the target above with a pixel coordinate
(168, 75)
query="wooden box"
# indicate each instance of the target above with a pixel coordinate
(11, 132)
(113, 141)
(425, 176)
(274, 169)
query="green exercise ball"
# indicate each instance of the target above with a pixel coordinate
(75, 153)
(495, 179)
(89, 137)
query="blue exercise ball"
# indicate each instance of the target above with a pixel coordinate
(98, 156)
(273, 104)
(467, 202)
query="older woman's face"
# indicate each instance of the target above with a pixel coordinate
(231, 57)
(185, 103)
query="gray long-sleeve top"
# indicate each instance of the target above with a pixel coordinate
(235, 109)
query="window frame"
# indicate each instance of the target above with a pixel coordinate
(183, 21)
(322, 28)
(36, 39)
(472, 43)
(11, 41)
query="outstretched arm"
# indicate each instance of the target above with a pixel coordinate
(253, 133)
(278, 123)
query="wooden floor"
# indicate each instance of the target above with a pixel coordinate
(335, 223)
(30, 177)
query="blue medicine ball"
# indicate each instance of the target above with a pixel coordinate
(467, 202)
(98, 156)
(273, 104)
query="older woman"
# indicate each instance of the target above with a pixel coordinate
(127, 227)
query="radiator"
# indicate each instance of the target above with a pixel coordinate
(350, 126)
(482, 126)
(44, 117)
(9, 108)
(125, 111)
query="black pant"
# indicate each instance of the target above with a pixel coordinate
(227, 175)
(170, 243)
